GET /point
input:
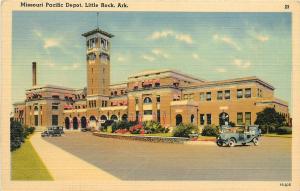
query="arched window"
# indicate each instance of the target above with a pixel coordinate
(223, 118)
(114, 117)
(124, 117)
(83, 122)
(147, 100)
(75, 123)
(103, 117)
(36, 108)
(178, 119)
(92, 118)
(67, 123)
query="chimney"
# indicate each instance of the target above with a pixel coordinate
(33, 73)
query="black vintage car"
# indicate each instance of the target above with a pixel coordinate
(53, 131)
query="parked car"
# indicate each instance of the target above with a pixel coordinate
(53, 131)
(240, 135)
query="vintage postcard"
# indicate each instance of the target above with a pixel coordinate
(150, 95)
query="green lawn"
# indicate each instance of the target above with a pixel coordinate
(27, 165)
(276, 135)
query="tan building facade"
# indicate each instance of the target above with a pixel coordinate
(166, 96)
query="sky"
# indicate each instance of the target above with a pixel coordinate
(211, 46)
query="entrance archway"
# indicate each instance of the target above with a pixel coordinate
(114, 117)
(223, 118)
(67, 123)
(178, 119)
(124, 117)
(75, 123)
(83, 122)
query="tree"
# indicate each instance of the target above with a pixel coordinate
(269, 119)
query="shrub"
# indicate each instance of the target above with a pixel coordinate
(122, 131)
(284, 130)
(137, 129)
(30, 129)
(109, 129)
(122, 125)
(184, 130)
(16, 135)
(154, 127)
(210, 131)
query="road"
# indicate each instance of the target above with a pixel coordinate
(135, 160)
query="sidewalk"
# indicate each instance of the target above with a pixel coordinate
(65, 166)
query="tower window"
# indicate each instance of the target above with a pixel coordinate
(104, 44)
(91, 43)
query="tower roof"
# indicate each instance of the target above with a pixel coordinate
(97, 30)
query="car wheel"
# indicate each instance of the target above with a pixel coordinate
(255, 141)
(231, 142)
(244, 144)
(219, 143)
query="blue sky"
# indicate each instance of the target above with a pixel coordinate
(212, 46)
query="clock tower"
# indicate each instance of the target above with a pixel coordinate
(98, 62)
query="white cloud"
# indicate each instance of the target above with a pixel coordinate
(183, 37)
(161, 34)
(195, 56)
(262, 38)
(243, 64)
(37, 33)
(221, 70)
(75, 66)
(121, 58)
(47, 42)
(148, 58)
(51, 42)
(226, 40)
(158, 52)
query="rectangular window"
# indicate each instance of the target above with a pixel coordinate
(239, 93)
(36, 120)
(220, 95)
(208, 117)
(248, 118)
(137, 115)
(136, 100)
(239, 118)
(227, 94)
(185, 96)
(202, 96)
(158, 116)
(147, 112)
(54, 119)
(248, 93)
(202, 120)
(102, 103)
(158, 98)
(208, 96)
(54, 106)
(55, 96)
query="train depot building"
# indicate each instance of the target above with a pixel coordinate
(166, 96)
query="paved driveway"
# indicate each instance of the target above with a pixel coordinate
(135, 160)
